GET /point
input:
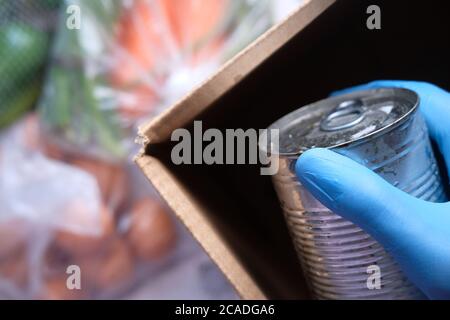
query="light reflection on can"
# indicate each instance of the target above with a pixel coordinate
(382, 130)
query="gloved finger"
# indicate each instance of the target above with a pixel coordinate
(359, 195)
(434, 105)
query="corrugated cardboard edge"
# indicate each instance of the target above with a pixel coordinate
(192, 215)
(159, 130)
(185, 110)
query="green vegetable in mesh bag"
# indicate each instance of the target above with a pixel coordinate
(51, 4)
(25, 29)
(15, 105)
(23, 49)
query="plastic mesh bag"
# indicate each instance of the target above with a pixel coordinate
(130, 59)
(25, 30)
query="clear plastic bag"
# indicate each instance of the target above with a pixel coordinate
(130, 59)
(58, 210)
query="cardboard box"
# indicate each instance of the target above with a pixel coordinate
(231, 209)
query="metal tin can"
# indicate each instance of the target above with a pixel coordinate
(382, 130)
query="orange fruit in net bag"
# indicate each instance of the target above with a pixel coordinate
(80, 243)
(151, 233)
(13, 236)
(14, 268)
(57, 288)
(108, 269)
(53, 151)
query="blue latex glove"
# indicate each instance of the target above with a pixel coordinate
(415, 232)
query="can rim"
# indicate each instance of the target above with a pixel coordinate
(371, 135)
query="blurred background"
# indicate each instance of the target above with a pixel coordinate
(76, 80)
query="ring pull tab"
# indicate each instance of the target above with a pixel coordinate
(345, 115)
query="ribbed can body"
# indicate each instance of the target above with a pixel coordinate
(336, 255)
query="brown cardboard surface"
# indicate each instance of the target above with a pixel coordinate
(196, 220)
(233, 211)
(192, 214)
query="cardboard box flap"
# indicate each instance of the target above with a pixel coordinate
(192, 214)
(187, 201)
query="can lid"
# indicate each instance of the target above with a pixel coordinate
(340, 120)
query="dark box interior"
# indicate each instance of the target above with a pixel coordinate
(335, 51)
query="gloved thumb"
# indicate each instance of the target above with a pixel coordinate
(358, 194)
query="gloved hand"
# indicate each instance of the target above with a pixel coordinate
(415, 232)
